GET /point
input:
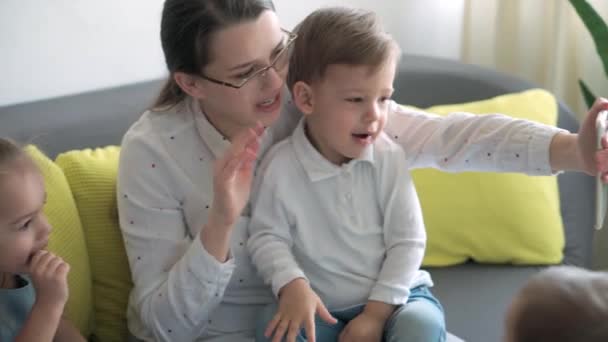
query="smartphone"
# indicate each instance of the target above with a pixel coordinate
(601, 192)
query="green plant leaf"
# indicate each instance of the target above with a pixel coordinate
(597, 28)
(587, 94)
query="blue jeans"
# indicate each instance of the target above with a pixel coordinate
(420, 320)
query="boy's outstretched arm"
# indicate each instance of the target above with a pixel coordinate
(578, 152)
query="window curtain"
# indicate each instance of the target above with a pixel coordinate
(543, 41)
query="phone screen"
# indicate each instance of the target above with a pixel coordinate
(601, 199)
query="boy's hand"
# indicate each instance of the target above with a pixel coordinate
(368, 325)
(363, 328)
(49, 278)
(298, 304)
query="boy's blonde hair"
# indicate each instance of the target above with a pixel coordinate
(562, 304)
(338, 35)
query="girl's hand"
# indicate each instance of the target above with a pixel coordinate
(298, 304)
(67, 332)
(232, 177)
(49, 277)
(592, 160)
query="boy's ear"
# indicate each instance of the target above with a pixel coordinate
(303, 97)
(189, 84)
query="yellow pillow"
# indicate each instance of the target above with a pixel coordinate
(492, 217)
(92, 177)
(67, 240)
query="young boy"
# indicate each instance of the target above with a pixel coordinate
(336, 222)
(560, 304)
(31, 307)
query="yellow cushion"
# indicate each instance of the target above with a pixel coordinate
(92, 178)
(492, 217)
(67, 240)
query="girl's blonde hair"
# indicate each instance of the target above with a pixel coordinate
(10, 151)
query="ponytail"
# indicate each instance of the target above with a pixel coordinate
(170, 95)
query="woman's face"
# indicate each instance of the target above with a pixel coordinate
(236, 53)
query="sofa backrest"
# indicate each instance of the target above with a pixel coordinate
(100, 118)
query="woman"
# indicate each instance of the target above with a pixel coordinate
(186, 166)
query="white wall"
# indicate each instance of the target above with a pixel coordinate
(61, 47)
(412, 29)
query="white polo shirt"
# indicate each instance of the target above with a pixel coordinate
(165, 187)
(355, 231)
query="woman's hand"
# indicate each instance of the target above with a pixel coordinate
(298, 304)
(232, 177)
(593, 160)
(579, 152)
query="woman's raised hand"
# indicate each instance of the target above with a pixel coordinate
(233, 175)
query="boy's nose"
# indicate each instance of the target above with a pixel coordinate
(373, 113)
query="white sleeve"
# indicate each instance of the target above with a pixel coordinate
(467, 142)
(404, 233)
(177, 284)
(270, 238)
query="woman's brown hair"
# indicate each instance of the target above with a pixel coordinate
(186, 30)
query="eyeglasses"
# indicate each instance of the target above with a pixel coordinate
(279, 63)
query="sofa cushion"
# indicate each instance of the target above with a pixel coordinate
(67, 240)
(92, 178)
(493, 217)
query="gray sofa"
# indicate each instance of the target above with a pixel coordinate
(474, 296)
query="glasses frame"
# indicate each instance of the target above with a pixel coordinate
(291, 37)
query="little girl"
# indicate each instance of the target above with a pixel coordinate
(560, 304)
(33, 281)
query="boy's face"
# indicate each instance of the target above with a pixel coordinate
(24, 229)
(348, 109)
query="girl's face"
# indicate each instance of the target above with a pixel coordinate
(238, 51)
(24, 229)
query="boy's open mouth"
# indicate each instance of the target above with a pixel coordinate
(363, 138)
